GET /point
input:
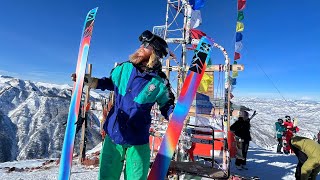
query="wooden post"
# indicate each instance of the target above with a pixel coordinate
(168, 67)
(83, 115)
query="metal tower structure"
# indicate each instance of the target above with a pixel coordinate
(176, 32)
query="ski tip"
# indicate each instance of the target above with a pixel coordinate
(94, 9)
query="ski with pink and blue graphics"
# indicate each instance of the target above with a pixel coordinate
(198, 66)
(68, 143)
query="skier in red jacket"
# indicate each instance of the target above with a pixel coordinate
(290, 130)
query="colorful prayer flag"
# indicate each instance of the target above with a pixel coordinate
(240, 16)
(196, 4)
(238, 46)
(238, 36)
(235, 74)
(196, 34)
(196, 19)
(241, 4)
(240, 27)
(236, 56)
(233, 81)
(205, 82)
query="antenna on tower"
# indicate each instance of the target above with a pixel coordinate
(176, 31)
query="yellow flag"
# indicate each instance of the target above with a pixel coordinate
(234, 74)
(240, 27)
(205, 82)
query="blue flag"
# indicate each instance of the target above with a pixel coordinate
(196, 4)
(238, 36)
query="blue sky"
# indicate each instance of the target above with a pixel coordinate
(40, 40)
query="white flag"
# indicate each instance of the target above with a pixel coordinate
(238, 46)
(195, 20)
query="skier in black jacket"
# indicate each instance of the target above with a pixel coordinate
(241, 129)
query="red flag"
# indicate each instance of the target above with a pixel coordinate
(236, 55)
(241, 4)
(196, 34)
(231, 96)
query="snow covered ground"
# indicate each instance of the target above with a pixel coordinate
(262, 163)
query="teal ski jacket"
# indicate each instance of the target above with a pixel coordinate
(279, 130)
(135, 91)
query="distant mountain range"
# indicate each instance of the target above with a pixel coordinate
(32, 119)
(33, 114)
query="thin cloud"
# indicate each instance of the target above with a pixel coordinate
(7, 73)
(40, 76)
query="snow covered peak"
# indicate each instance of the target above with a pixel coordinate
(32, 118)
(57, 86)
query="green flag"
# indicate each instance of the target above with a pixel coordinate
(240, 16)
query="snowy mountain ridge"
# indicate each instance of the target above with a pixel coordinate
(32, 118)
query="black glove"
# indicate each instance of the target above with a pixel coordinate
(91, 82)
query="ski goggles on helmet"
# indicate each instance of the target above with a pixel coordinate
(156, 42)
(146, 36)
(145, 44)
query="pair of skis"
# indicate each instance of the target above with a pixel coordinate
(170, 140)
